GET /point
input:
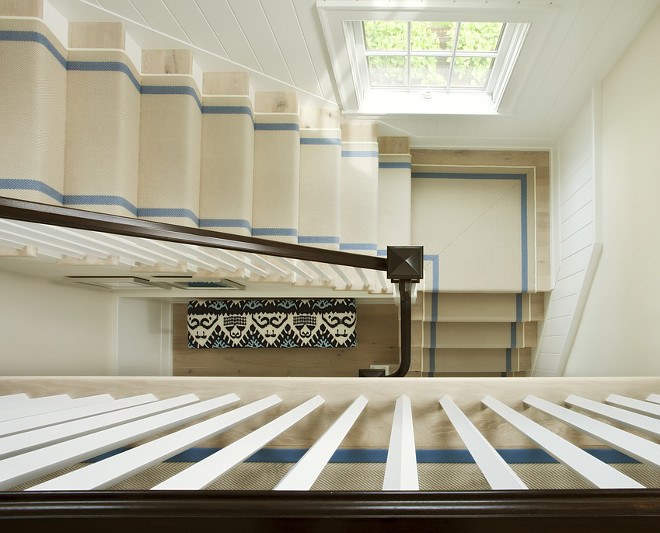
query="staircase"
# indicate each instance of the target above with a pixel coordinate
(162, 141)
(475, 334)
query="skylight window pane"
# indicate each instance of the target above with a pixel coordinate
(471, 72)
(429, 55)
(479, 36)
(429, 71)
(432, 36)
(388, 71)
(385, 35)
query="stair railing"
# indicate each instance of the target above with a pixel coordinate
(403, 264)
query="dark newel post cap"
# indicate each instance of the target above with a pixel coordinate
(405, 263)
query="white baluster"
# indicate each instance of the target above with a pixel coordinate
(48, 404)
(497, 472)
(317, 270)
(110, 471)
(30, 465)
(638, 406)
(589, 468)
(13, 399)
(401, 466)
(637, 447)
(305, 472)
(645, 424)
(655, 398)
(294, 268)
(342, 275)
(365, 281)
(49, 419)
(29, 440)
(202, 474)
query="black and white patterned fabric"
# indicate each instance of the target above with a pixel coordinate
(277, 323)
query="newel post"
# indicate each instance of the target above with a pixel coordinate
(405, 265)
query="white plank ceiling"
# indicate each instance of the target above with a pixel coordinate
(281, 44)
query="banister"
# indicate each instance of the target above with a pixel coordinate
(405, 310)
(405, 264)
(89, 220)
(512, 511)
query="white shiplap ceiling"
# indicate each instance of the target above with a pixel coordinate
(281, 43)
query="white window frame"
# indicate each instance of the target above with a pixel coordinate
(363, 54)
(340, 20)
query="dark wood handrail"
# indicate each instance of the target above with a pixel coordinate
(93, 221)
(540, 511)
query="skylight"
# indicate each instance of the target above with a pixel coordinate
(430, 55)
(462, 66)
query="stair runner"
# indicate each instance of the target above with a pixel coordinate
(108, 138)
(475, 334)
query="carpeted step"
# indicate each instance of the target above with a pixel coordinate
(276, 166)
(478, 360)
(320, 178)
(479, 307)
(442, 335)
(102, 122)
(475, 374)
(32, 112)
(359, 188)
(394, 203)
(227, 154)
(170, 139)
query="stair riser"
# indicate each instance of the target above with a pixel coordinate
(479, 307)
(474, 335)
(359, 184)
(394, 202)
(102, 133)
(276, 182)
(320, 188)
(470, 374)
(485, 360)
(170, 144)
(33, 87)
(226, 186)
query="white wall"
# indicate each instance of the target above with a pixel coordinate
(48, 328)
(620, 330)
(144, 337)
(576, 215)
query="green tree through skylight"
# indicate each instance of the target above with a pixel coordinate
(389, 68)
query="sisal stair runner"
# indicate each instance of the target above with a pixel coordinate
(276, 179)
(170, 142)
(319, 210)
(394, 187)
(475, 334)
(359, 188)
(227, 157)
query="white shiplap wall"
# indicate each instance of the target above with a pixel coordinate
(578, 251)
